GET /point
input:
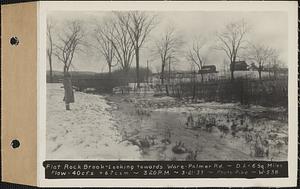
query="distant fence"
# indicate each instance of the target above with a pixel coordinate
(268, 92)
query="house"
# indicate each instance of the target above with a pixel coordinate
(252, 67)
(208, 69)
(240, 66)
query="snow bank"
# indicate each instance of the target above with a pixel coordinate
(85, 132)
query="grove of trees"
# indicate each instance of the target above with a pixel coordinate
(120, 36)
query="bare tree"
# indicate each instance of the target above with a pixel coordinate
(196, 56)
(274, 63)
(50, 47)
(260, 54)
(68, 43)
(166, 48)
(119, 37)
(139, 25)
(231, 41)
(104, 35)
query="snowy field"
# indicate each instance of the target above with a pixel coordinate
(88, 131)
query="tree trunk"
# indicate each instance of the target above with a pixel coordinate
(50, 64)
(194, 85)
(259, 74)
(259, 71)
(126, 71)
(169, 78)
(162, 74)
(232, 70)
(232, 75)
(65, 70)
(137, 66)
(201, 77)
(167, 89)
(109, 70)
(194, 91)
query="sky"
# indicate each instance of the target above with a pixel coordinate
(266, 28)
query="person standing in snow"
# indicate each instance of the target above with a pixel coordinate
(69, 94)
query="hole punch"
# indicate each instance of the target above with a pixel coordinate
(14, 41)
(15, 144)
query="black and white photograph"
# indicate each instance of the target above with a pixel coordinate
(168, 94)
(167, 85)
(150, 94)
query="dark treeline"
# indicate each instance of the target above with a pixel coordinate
(102, 82)
(129, 76)
(267, 92)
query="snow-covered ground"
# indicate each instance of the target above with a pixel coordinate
(144, 127)
(87, 131)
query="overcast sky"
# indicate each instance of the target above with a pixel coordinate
(267, 28)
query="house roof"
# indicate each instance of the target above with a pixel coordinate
(240, 62)
(240, 65)
(252, 66)
(208, 69)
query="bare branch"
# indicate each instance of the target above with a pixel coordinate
(195, 54)
(167, 47)
(68, 43)
(231, 41)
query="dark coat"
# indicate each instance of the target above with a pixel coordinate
(69, 94)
